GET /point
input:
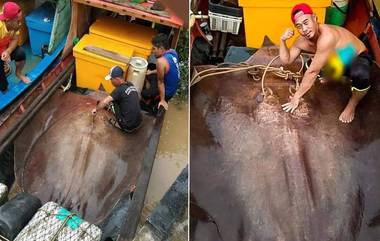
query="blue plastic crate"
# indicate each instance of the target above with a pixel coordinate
(40, 23)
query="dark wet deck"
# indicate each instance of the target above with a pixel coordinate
(258, 173)
(85, 165)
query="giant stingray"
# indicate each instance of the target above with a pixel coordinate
(83, 163)
(258, 173)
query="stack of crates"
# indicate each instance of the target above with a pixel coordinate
(225, 19)
(126, 39)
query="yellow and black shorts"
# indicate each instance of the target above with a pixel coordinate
(360, 72)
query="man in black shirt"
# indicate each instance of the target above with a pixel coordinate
(124, 102)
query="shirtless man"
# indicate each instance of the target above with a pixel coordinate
(323, 40)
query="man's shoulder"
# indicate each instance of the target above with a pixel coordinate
(129, 84)
(129, 88)
(302, 43)
(172, 52)
(161, 60)
(299, 41)
(120, 89)
(327, 40)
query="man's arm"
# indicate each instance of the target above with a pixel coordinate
(102, 104)
(13, 44)
(287, 55)
(324, 48)
(161, 67)
(149, 72)
(6, 54)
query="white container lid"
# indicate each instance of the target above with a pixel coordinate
(138, 63)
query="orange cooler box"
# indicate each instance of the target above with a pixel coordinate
(92, 68)
(272, 18)
(136, 36)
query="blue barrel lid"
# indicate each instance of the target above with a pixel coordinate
(43, 16)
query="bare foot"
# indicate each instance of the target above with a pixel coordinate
(348, 114)
(24, 79)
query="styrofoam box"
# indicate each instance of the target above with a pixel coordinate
(52, 220)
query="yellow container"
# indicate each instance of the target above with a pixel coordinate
(92, 68)
(137, 36)
(272, 18)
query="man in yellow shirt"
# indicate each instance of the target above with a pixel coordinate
(9, 25)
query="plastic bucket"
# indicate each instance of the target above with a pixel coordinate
(340, 3)
(137, 71)
(336, 14)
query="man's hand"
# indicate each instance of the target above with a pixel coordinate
(164, 104)
(292, 105)
(5, 56)
(93, 112)
(287, 34)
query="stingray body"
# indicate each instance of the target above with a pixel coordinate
(266, 175)
(82, 162)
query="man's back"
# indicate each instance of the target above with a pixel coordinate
(172, 75)
(127, 98)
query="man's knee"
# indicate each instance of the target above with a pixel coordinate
(145, 94)
(18, 54)
(3, 77)
(360, 74)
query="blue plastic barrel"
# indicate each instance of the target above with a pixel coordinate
(40, 24)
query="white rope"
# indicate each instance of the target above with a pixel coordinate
(279, 71)
(3, 238)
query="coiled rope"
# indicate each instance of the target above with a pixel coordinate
(254, 71)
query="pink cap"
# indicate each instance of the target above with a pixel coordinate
(10, 11)
(302, 7)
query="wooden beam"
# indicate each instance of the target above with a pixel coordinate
(72, 31)
(124, 10)
(107, 53)
(141, 8)
(176, 32)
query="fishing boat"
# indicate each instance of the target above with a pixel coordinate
(52, 147)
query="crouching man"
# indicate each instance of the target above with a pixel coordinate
(123, 102)
(164, 81)
(324, 40)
